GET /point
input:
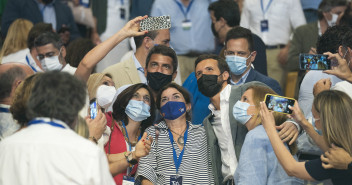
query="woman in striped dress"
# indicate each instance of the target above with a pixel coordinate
(179, 149)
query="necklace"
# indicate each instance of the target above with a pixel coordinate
(180, 139)
(125, 134)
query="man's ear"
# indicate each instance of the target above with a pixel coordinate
(222, 21)
(254, 54)
(225, 75)
(147, 42)
(174, 75)
(63, 51)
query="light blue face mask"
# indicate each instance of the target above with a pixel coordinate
(240, 112)
(315, 128)
(237, 64)
(137, 110)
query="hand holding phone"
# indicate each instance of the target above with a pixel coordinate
(279, 103)
(314, 62)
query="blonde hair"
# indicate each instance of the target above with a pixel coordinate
(259, 93)
(16, 38)
(335, 111)
(22, 94)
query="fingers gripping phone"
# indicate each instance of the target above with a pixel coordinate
(93, 108)
(279, 103)
(314, 62)
(156, 23)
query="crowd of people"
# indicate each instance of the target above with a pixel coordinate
(87, 97)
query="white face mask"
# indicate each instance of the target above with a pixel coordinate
(105, 95)
(51, 63)
(333, 20)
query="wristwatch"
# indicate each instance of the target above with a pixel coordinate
(129, 158)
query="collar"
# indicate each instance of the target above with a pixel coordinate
(5, 106)
(42, 4)
(47, 119)
(319, 30)
(136, 62)
(243, 78)
(163, 126)
(224, 98)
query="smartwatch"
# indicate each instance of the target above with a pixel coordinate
(129, 158)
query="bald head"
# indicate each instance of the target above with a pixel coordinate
(11, 75)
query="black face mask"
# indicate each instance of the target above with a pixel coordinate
(215, 33)
(158, 80)
(208, 85)
(47, 1)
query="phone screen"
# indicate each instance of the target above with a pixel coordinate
(279, 103)
(93, 109)
(314, 62)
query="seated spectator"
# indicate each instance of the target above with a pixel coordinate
(179, 153)
(258, 163)
(332, 113)
(11, 75)
(52, 53)
(47, 151)
(133, 112)
(15, 44)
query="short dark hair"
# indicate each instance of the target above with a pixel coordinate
(36, 30)
(179, 88)
(121, 103)
(8, 78)
(227, 9)
(334, 37)
(165, 51)
(222, 65)
(139, 39)
(240, 32)
(77, 49)
(346, 19)
(327, 5)
(48, 38)
(57, 95)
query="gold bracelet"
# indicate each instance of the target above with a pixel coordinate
(93, 139)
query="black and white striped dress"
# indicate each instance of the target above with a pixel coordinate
(159, 165)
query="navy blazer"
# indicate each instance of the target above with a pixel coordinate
(28, 9)
(256, 76)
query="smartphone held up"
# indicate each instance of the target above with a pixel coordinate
(156, 23)
(279, 103)
(314, 62)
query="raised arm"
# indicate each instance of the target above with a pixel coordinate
(298, 116)
(290, 165)
(94, 56)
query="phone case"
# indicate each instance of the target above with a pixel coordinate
(313, 62)
(266, 96)
(156, 23)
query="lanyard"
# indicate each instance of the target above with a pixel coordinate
(179, 160)
(267, 6)
(2, 109)
(183, 11)
(129, 143)
(40, 121)
(27, 59)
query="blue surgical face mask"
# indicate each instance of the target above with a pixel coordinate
(137, 110)
(173, 110)
(237, 64)
(315, 128)
(240, 112)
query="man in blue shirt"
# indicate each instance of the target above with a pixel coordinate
(190, 31)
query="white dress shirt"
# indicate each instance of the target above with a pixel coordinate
(140, 70)
(42, 154)
(282, 16)
(8, 125)
(222, 129)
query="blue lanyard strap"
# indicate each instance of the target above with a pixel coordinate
(129, 143)
(27, 59)
(179, 160)
(40, 121)
(2, 109)
(267, 6)
(181, 7)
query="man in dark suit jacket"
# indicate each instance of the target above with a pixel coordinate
(239, 54)
(225, 145)
(29, 9)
